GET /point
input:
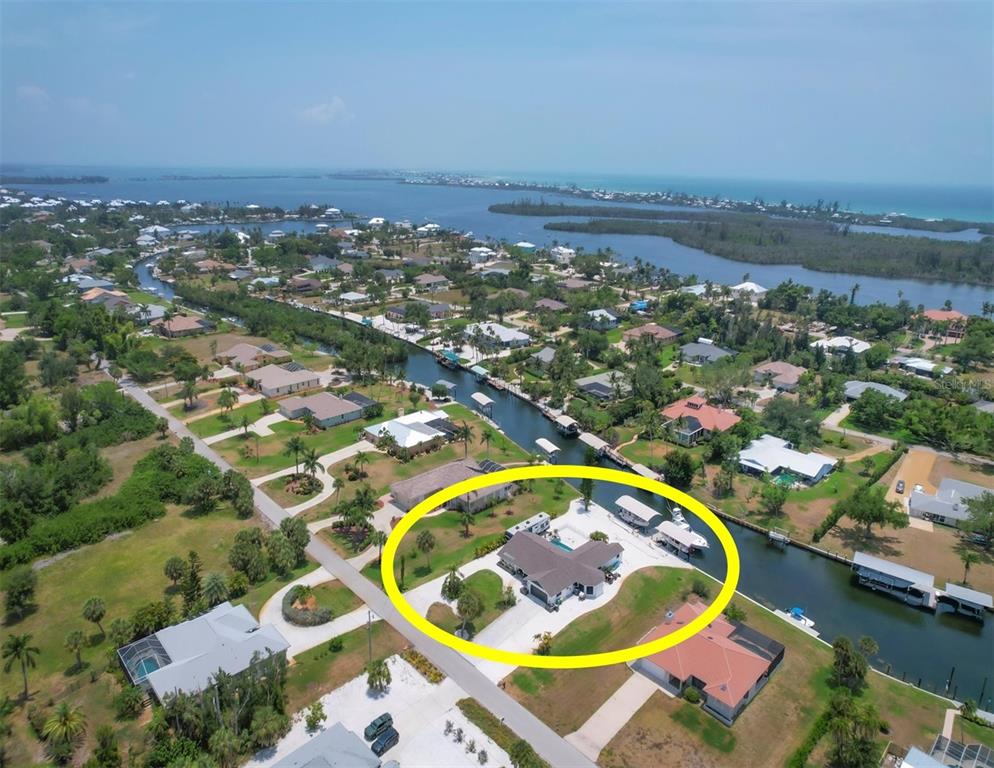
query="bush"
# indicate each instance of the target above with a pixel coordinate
(490, 546)
(691, 694)
(336, 644)
(700, 587)
(302, 617)
(429, 671)
(129, 703)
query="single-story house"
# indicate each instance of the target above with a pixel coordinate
(774, 456)
(841, 344)
(412, 491)
(496, 335)
(275, 380)
(552, 573)
(247, 357)
(412, 433)
(602, 319)
(658, 333)
(334, 747)
(182, 325)
(481, 254)
(213, 265)
(143, 314)
(748, 290)
(304, 285)
(543, 358)
(432, 283)
(701, 353)
(87, 283)
(604, 385)
(855, 389)
(550, 305)
(326, 408)
(727, 662)
(99, 295)
(185, 657)
(948, 505)
(436, 311)
(695, 419)
(390, 275)
(322, 263)
(353, 297)
(575, 284)
(781, 374)
(921, 366)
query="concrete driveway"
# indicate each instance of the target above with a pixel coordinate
(612, 715)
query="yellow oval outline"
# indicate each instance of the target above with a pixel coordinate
(582, 661)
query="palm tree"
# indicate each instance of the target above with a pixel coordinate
(467, 520)
(465, 434)
(359, 461)
(378, 675)
(309, 422)
(215, 589)
(293, 447)
(18, 648)
(378, 539)
(336, 486)
(487, 436)
(75, 641)
(363, 504)
(266, 406)
(310, 463)
(650, 424)
(245, 423)
(227, 399)
(426, 543)
(968, 558)
(65, 726)
(189, 392)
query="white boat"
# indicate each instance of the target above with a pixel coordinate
(681, 522)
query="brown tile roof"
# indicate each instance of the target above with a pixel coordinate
(658, 332)
(710, 417)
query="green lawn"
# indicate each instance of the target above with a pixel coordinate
(276, 490)
(336, 597)
(222, 422)
(489, 588)
(15, 320)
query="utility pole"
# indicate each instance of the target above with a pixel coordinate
(369, 634)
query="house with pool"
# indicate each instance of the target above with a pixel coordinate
(552, 572)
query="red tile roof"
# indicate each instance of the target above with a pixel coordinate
(710, 417)
(659, 332)
(942, 315)
(727, 669)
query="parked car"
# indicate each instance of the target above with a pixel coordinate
(388, 739)
(919, 488)
(378, 726)
(900, 486)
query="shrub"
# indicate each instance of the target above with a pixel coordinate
(336, 644)
(301, 616)
(692, 695)
(129, 703)
(700, 587)
(490, 546)
(429, 671)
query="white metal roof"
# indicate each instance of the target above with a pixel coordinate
(637, 509)
(547, 445)
(675, 533)
(642, 469)
(968, 595)
(903, 572)
(481, 399)
(593, 441)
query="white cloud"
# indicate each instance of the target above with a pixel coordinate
(325, 113)
(34, 95)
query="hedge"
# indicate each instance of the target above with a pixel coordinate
(300, 617)
(837, 509)
(800, 757)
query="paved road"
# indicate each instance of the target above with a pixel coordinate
(546, 742)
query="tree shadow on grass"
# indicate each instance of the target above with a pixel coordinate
(877, 544)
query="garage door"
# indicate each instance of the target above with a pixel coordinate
(539, 593)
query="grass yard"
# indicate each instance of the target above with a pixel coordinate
(670, 732)
(276, 489)
(336, 597)
(489, 587)
(15, 320)
(222, 422)
(126, 572)
(454, 549)
(318, 671)
(638, 606)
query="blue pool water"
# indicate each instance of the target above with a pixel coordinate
(145, 667)
(562, 546)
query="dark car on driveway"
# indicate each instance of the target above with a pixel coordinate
(378, 726)
(387, 739)
(900, 486)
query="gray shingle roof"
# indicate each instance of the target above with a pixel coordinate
(554, 569)
(334, 747)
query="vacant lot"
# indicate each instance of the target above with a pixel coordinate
(488, 586)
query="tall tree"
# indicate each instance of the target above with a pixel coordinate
(94, 610)
(426, 543)
(378, 675)
(294, 447)
(17, 649)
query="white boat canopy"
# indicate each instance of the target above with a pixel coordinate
(566, 421)
(642, 469)
(636, 510)
(594, 442)
(481, 399)
(685, 540)
(547, 445)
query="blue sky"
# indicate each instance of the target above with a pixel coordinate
(848, 91)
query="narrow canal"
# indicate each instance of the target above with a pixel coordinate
(909, 638)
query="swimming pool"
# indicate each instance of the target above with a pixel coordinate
(559, 544)
(145, 667)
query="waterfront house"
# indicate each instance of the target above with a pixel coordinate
(771, 455)
(561, 254)
(948, 505)
(543, 358)
(495, 335)
(247, 357)
(779, 374)
(185, 657)
(748, 290)
(412, 433)
(945, 323)
(840, 345)
(327, 409)
(703, 353)
(412, 491)
(729, 663)
(552, 573)
(694, 419)
(276, 380)
(605, 385)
